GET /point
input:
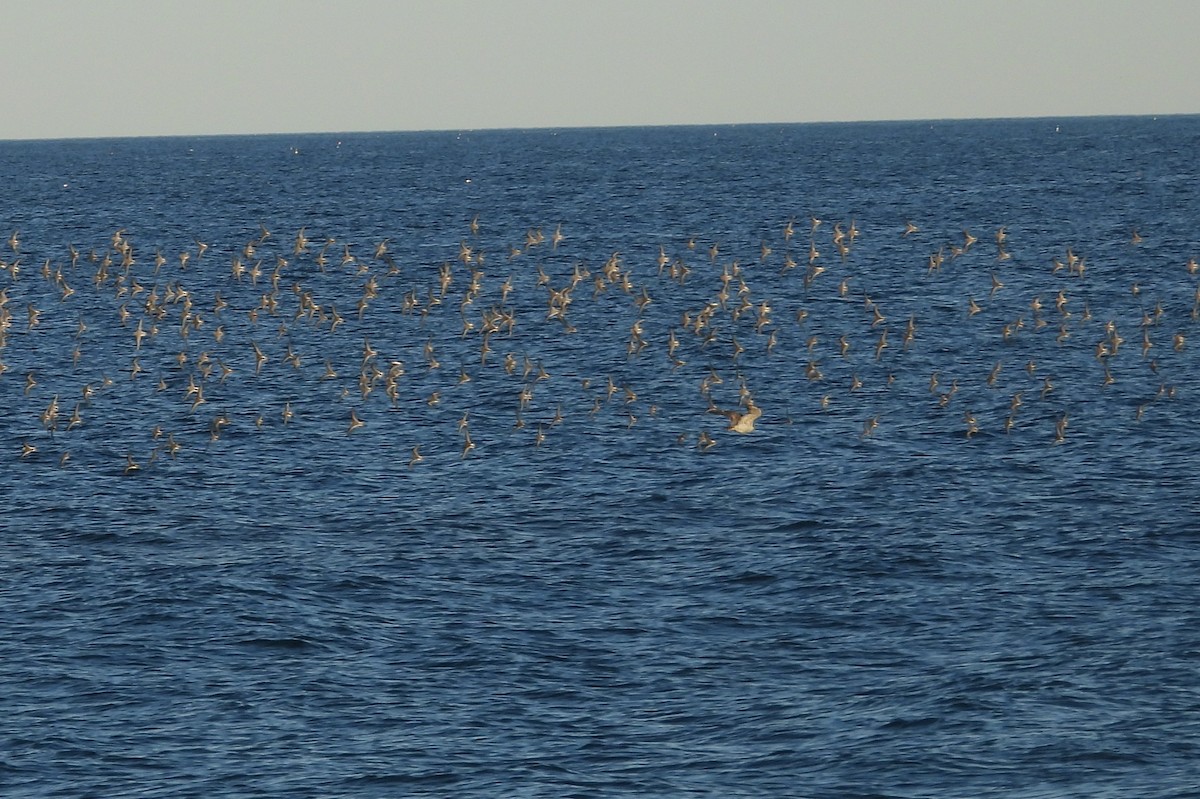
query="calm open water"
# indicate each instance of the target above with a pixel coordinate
(957, 555)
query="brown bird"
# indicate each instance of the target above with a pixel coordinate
(740, 422)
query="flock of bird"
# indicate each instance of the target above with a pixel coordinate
(135, 356)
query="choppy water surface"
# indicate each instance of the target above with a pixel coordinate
(400, 464)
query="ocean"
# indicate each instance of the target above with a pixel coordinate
(405, 464)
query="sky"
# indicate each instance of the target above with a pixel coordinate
(94, 68)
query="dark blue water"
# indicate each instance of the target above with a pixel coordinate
(885, 589)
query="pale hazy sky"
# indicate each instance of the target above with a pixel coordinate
(157, 67)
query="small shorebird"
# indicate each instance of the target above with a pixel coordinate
(1060, 429)
(869, 427)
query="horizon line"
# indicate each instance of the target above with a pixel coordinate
(555, 128)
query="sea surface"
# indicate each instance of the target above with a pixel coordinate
(401, 464)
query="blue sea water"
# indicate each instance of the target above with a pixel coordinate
(960, 563)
